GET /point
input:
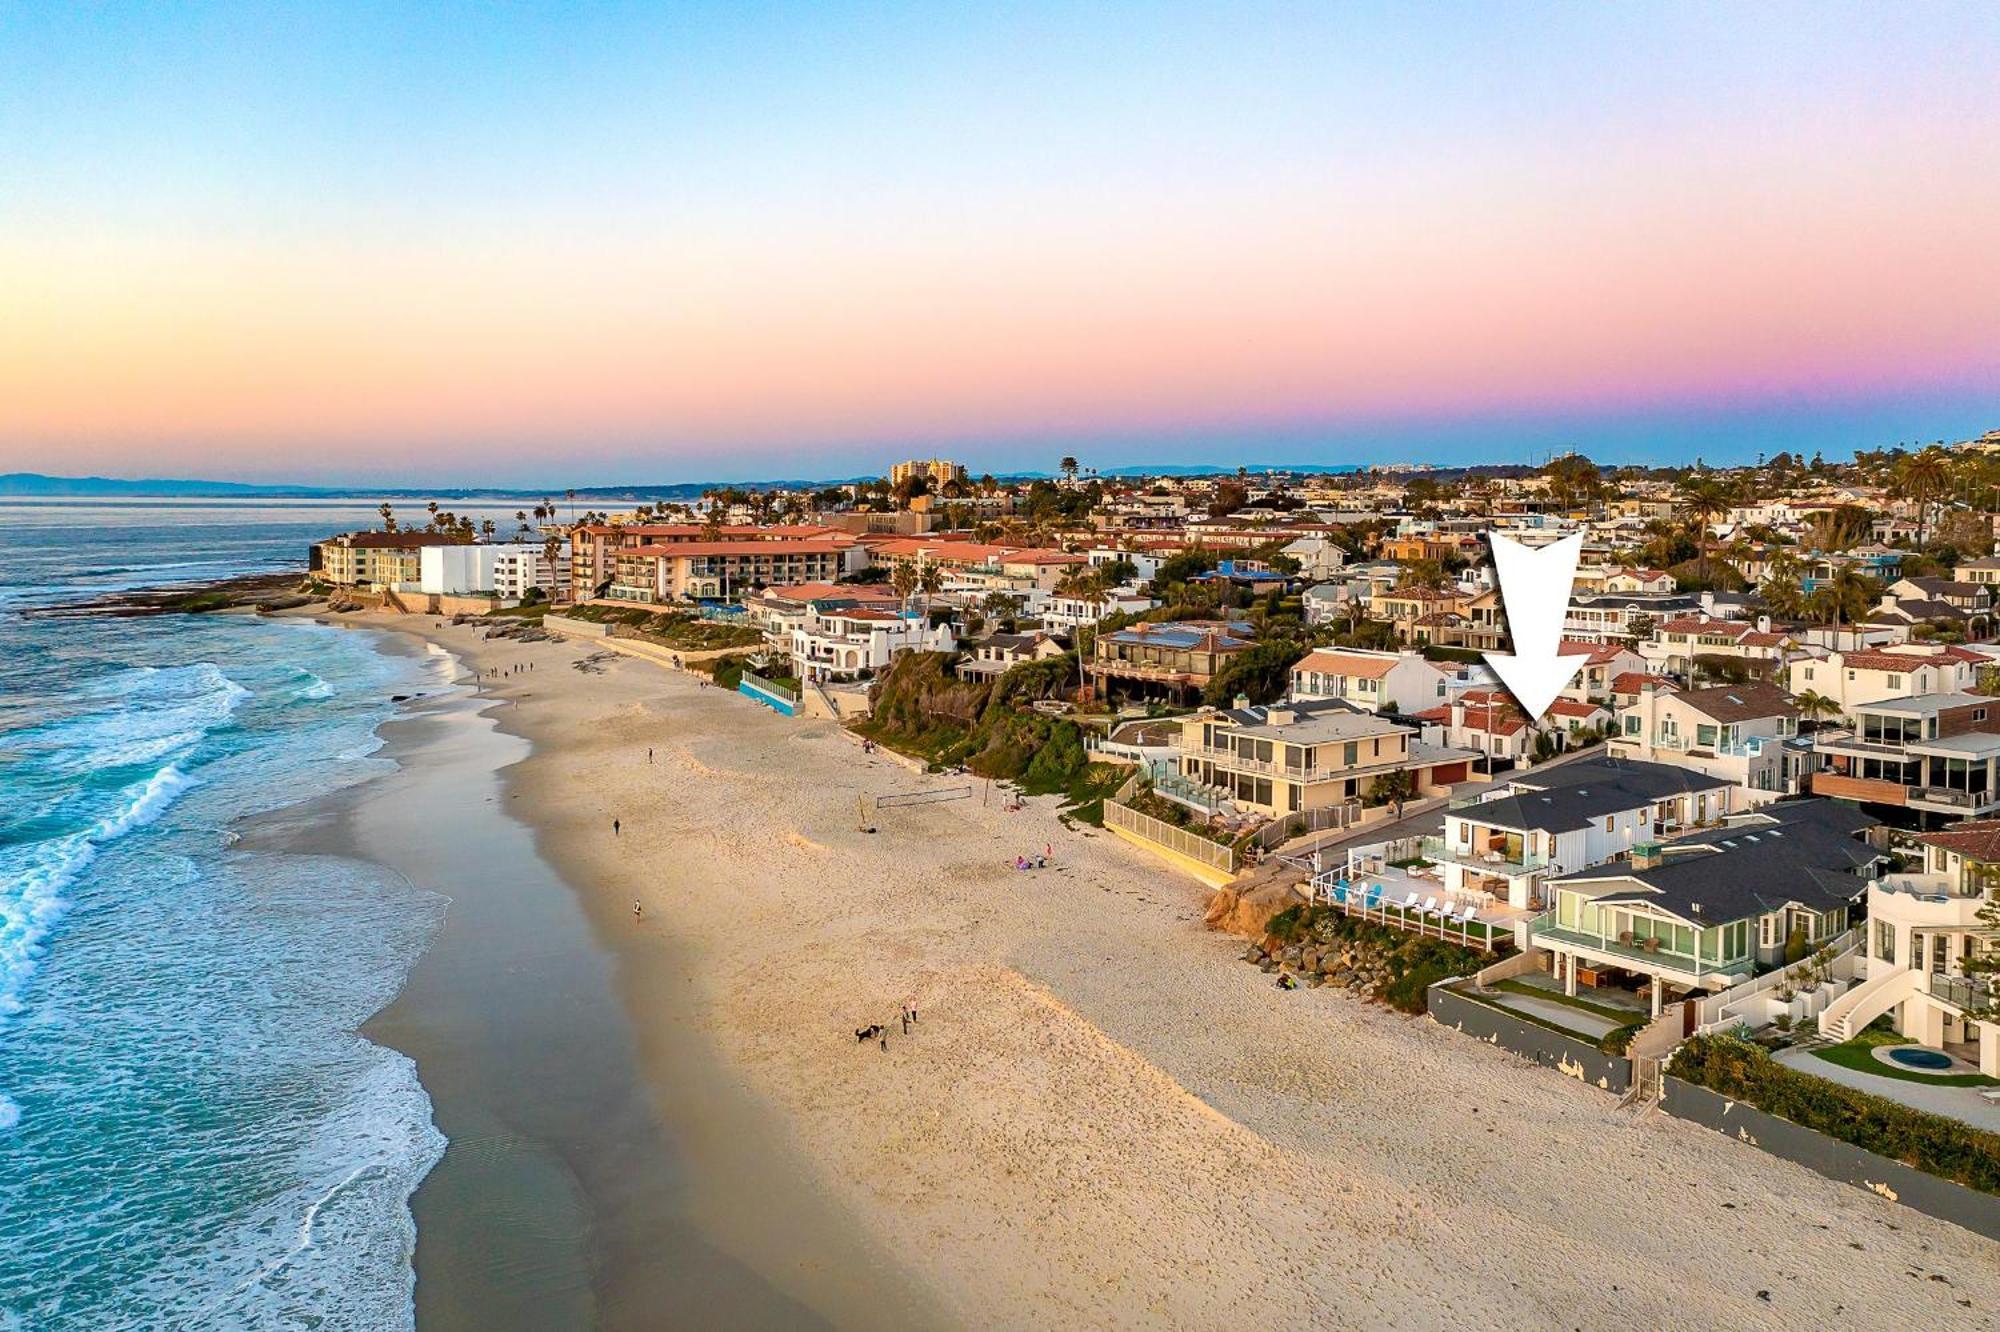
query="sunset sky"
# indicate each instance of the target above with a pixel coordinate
(568, 245)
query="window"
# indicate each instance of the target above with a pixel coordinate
(1631, 724)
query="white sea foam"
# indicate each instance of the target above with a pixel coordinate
(313, 689)
(35, 877)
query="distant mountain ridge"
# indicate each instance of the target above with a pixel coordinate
(36, 485)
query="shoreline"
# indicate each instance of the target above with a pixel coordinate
(1103, 1117)
(567, 1196)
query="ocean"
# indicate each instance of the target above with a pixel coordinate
(192, 1133)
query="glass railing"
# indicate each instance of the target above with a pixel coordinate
(1963, 992)
(1544, 927)
(1499, 862)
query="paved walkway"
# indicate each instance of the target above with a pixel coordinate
(1960, 1103)
(1587, 1024)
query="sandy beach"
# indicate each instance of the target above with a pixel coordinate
(1102, 1118)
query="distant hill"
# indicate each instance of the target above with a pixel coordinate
(35, 485)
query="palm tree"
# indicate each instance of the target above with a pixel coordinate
(1783, 588)
(1701, 500)
(521, 517)
(1068, 468)
(904, 580)
(388, 517)
(551, 548)
(486, 526)
(1814, 708)
(570, 495)
(929, 580)
(1924, 476)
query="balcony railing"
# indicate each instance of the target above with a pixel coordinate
(1473, 857)
(1544, 927)
(1944, 795)
(1963, 992)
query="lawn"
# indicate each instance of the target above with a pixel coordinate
(1859, 1055)
(1608, 1012)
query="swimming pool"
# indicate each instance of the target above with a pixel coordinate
(1917, 1057)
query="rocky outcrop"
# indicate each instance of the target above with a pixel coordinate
(1246, 906)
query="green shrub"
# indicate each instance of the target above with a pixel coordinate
(1619, 1039)
(1948, 1148)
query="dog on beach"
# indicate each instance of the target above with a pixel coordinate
(863, 1035)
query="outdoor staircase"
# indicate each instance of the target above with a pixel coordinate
(1847, 1015)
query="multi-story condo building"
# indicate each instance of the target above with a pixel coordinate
(1712, 909)
(375, 560)
(721, 570)
(1923, 759)
(1504, 842)
(594, 547)
(1371, 681)
(506, 570)
(937, 471)
(1745, 733)
(519, 567)
(1292, 758)
(1922, 929)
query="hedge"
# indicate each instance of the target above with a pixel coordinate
(1937, 1144)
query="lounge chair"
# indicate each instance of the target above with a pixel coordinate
(1374, 898)
(1409, 902)
(1430, 904)
(1340, 894)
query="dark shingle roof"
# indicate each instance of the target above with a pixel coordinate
(1803, 851)
(1576, 794)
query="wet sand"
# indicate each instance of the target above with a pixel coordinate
(581, 1187)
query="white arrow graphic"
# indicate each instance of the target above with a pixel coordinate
(1535, 583)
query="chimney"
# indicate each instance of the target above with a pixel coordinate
(1647, 855)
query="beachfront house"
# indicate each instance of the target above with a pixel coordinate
(1922, 929)
(843, 641)
(1177, 659)
(1712, 909)
(997, 654)
(1501, 844)
(1915, 761)
(1294, 758)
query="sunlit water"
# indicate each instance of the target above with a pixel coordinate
(192, 1134)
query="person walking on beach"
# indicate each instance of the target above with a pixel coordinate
(614, 827)
(638, 910)
(906, 1020)
(649, 753)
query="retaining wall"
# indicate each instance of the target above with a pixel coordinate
(1496, 1026)
(1941, 1198)
(562, 624)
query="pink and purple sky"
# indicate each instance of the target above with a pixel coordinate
(557, 245)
